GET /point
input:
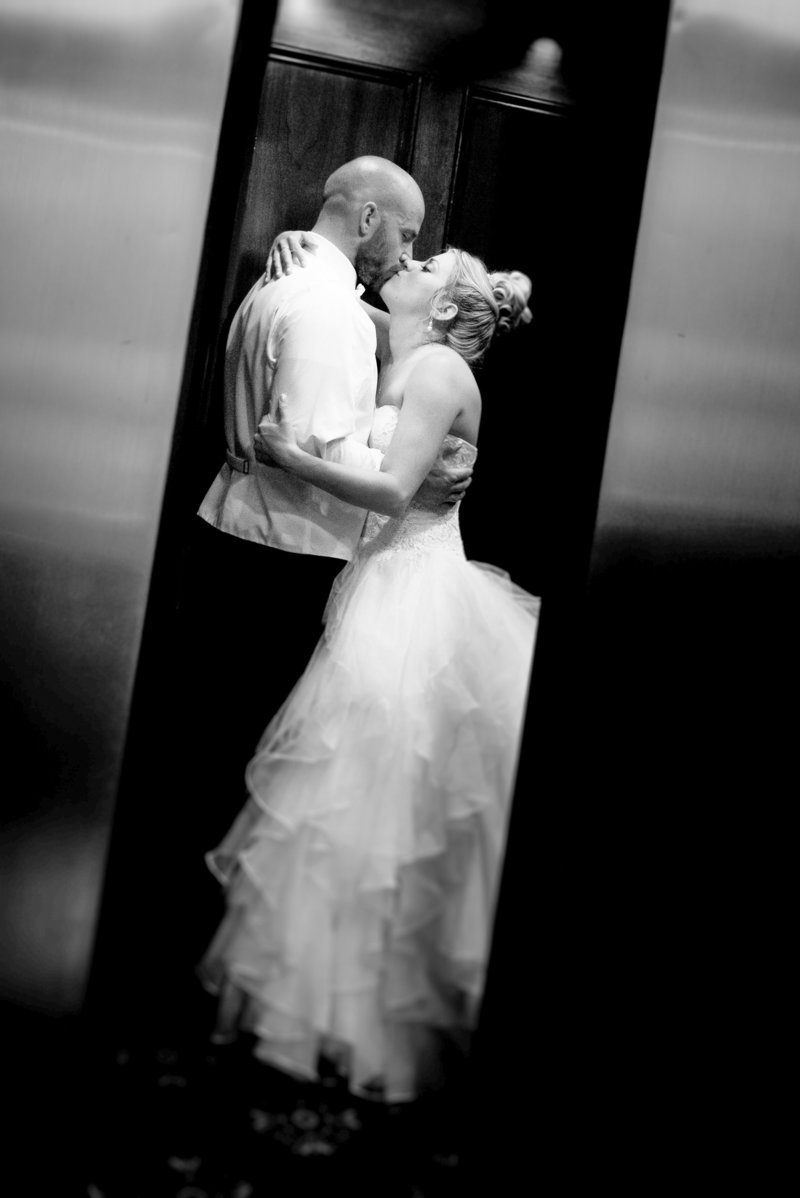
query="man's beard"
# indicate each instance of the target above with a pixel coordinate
(371, 265)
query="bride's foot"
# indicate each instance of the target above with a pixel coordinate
(333, 1060)
(219, 1038)
(229, 1010)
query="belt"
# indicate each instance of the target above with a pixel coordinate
(243, 465)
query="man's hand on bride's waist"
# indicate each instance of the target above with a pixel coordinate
(444, 485)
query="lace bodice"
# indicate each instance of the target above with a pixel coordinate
(420, 528)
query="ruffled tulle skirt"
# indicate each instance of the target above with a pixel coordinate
(362, 873)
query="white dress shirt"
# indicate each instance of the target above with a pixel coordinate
(306, 337)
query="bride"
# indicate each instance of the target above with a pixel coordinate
(362, 873)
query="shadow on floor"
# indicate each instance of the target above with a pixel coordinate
(202, 1121)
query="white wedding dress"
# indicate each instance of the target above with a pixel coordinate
(362, 873)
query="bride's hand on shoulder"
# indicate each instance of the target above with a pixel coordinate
(275, 443)
(287, 249)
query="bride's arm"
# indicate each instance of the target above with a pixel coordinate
(431, 402)
(288, 248)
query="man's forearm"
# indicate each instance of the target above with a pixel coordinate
(349, 452)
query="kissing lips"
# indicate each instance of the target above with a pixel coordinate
(389, 274)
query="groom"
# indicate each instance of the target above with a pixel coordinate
(277, 543)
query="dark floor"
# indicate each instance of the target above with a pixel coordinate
(200, 1121)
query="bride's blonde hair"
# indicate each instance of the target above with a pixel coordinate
(488, 305)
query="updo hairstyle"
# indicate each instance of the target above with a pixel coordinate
(488, 305)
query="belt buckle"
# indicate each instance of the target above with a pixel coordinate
(242, 465)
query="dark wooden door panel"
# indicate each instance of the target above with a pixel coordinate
(315, 114)
(507, 196)
(437, 132)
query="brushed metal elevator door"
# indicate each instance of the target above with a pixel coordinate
(704, 443)
(109, 122)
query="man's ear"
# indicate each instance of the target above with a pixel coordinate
(446, 311)
(369, 218)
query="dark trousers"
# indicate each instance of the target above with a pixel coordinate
(249, 618)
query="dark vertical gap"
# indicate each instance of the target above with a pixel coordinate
(560, 1083)
(448, 218)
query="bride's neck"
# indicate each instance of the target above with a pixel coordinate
(406, 334)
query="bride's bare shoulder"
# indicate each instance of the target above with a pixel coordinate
(441, 381)
(440, 362)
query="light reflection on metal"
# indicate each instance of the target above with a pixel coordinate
(545, 53)
(705, 431)
(109, 121)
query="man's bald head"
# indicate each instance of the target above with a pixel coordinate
(372, 178)
(372, 210)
